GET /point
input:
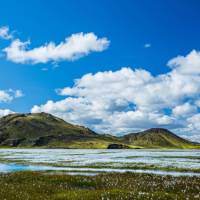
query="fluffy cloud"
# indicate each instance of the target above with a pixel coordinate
(9, 95)
(18, 94)
(183, 110)
(130, 100)
(194, 122)
(4, 112)
(74, 47)
(189, 64)
(5, 33)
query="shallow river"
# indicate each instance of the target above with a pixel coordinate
(166, 162)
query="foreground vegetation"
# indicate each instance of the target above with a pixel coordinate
(40, 186)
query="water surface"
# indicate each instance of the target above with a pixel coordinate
(98, 161)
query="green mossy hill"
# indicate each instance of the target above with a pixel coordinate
(158, 137)
(47, 131)
(39, 129)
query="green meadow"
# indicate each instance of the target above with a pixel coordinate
(117, 186)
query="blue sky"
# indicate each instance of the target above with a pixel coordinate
(140, 35)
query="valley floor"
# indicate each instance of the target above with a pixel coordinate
(116, 186)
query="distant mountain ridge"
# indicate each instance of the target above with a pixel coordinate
(47, 131)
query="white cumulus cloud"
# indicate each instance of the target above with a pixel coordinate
(9, 95)
(4, 112)
(184, 109)
(189, 64)
(129, 100)
(74, 47)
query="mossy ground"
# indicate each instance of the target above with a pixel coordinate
(40, 186)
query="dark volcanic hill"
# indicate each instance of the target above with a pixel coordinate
(48, 131)
(157, 137)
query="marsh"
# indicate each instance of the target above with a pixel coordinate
(164, 162)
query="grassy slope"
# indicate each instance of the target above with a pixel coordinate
(156, 138)
(32, 186)
(36, 125)
(49, 132)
